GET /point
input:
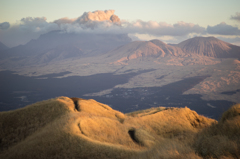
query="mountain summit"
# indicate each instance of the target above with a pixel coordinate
(209, 46)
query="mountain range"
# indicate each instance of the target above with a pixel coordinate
(156, 49)
(162, 64)
(57, 46)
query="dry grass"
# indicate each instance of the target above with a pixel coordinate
(175, 122)
(221, 139)
(78, 128)
(19, 124)
(146, 111)
(169, 149)
(95, 108)
(234, 111)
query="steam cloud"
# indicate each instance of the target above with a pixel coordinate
(99, 22)
(107, 15)
(91, 19)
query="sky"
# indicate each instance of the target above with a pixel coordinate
(171, 21)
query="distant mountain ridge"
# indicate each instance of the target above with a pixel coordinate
(57, 45)
(3, 47)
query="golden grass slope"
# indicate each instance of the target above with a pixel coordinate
(221, 140)
(76, 128)
(18, 125)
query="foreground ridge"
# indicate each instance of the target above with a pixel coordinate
(77, 128)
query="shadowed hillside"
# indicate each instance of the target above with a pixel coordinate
(77, 128)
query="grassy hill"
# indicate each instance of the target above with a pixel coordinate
(76, 128)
